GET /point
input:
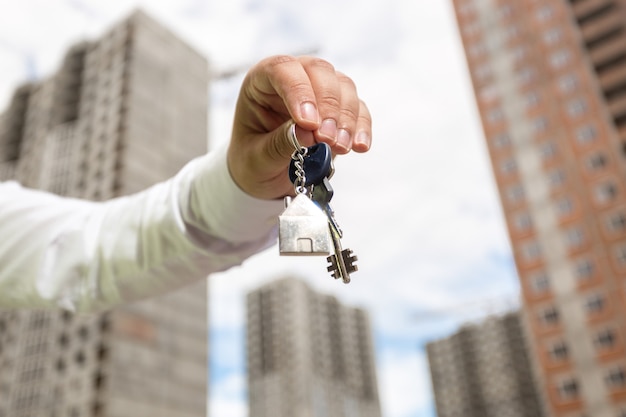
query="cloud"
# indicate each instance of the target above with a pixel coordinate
(227, 398)
(405, 384)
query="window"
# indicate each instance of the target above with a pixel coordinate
(531, 251)
(605, 192)
(552, 36)
(483, 72)
(544, 13)
(477, 49)
(511, 32)
(564, 206)
(584, 269)
(540, 124)
(576, 107)
(472, 28)
(488, 93)
(539, 282)
(605, 339)
(519, 54)
(616, 222)
(594, 303)
(550, 315)
(547, 150)
(568, 389)
(559, 58)
(504, 11)
(620, 255)
(574, 237)
(596, 161)
(522, 222)
(515, 193)
(495, 115)
(532, 99)
(616, 377)
(556, 178)
(567, 83)
(466, 8)
(585, 134)
(526, 75)
(501, 141)
(508, 166)
(559, 350)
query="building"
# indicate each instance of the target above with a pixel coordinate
(550, 84)
(121, 113)
(308, 355)
(483, 371)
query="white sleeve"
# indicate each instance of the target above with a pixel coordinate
(81, 255)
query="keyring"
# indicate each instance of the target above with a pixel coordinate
(294, 138)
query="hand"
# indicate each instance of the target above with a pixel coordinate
(324, 105)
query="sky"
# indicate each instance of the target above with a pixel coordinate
(420, 210)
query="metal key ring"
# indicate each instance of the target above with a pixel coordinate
(294, 139)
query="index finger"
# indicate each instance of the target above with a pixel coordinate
(284, 75)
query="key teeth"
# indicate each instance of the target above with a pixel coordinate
(333, 268)
(349, 259)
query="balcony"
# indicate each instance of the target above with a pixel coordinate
(589, 10)
(608, 51)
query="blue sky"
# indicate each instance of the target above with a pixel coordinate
(420, 209)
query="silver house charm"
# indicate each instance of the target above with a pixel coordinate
(303, 228)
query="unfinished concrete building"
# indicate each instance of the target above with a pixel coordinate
(121, 113)
(308, 355)
(483, 370)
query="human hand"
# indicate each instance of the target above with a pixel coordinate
(321, 101)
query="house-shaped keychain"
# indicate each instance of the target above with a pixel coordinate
(303, 228)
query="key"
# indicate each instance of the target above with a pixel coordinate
(317, 164)
(303, 226)
(342, 261)
(310, 171)
(322, 194)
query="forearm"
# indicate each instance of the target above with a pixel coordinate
(83, 256)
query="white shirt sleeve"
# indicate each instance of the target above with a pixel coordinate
(81, 255)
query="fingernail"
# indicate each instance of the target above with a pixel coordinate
(343, 138)
(329, 128)
(362, 139)
(309, 112)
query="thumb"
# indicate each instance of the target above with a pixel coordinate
(289, 137)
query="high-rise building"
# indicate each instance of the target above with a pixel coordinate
(120, 114)
(483, 370)
(550, 83)
(308, 355)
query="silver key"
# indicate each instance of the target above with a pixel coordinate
(342, 261)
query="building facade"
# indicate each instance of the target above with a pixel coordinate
(483, 370)
(550, 84)
(308, 355)
(121, 113)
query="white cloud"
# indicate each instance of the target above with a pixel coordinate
(226, 399)
(405, 385)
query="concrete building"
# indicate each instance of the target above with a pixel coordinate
(550, 83)
(308, 355)
(483, 370)
(121, 113)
